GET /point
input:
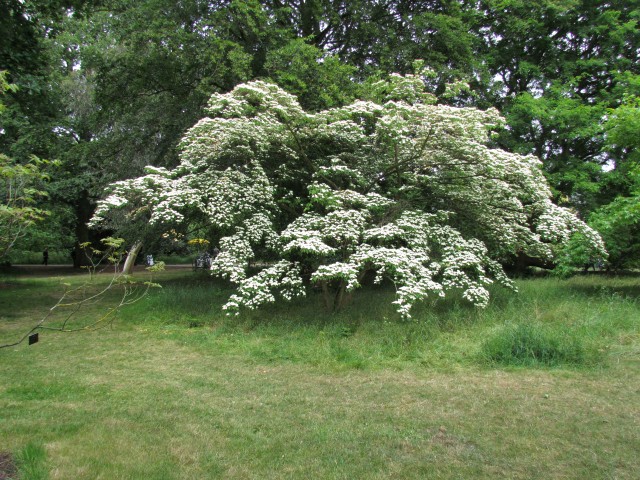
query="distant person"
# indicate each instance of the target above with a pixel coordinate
(45, 257)
(150, 261)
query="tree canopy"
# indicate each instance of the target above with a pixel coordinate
(392, 185)
(110, 86)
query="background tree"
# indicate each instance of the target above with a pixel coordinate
(136, 75)
(619, 220)
(32, 122)
(557, 69)
(111, 86)
(129, 78)
(19, 191)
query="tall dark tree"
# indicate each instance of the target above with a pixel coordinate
(30, 124)
(557, 69)
(383, 36)
(30, 110)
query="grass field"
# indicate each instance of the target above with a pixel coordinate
(542, 384)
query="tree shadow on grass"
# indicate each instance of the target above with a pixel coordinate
(369, 306)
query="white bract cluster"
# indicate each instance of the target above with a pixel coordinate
(398, 188)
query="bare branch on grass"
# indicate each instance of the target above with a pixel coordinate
(76, 298)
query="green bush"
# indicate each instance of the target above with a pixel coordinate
(533, 344)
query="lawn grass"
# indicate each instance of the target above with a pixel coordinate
(173, 389)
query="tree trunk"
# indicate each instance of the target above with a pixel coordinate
(131, 258)
(339, 301)
(523, 261)
(308, 20)
(326, 295)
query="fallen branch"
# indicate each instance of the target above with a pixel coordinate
(133, 292)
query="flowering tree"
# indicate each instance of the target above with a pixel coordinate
(393, 185)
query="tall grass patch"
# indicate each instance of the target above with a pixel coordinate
(32, 462)
(559, 323)
(531, 344)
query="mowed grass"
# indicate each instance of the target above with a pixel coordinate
(541, 384)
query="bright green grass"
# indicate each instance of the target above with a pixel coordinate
(32, 463)
(174, 389)
(588, 314)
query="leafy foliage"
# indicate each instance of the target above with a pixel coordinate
(619, 224)
(619, 220)
(556, 68)
(18, 194)
(20, 188)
